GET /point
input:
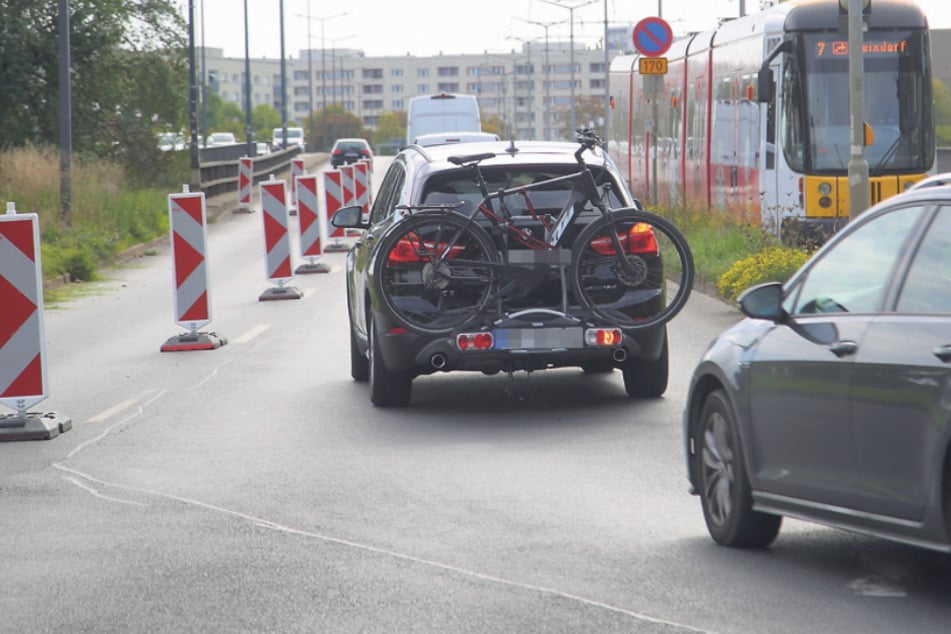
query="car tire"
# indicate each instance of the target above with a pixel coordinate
(387, 388)
(359, 364)
(647, 379)
(725, 493)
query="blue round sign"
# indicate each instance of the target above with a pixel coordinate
(652, 37)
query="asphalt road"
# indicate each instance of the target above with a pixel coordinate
(254, 488)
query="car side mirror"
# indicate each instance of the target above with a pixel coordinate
(349, 218)
(764, 301)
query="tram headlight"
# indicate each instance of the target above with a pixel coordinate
(825, 189)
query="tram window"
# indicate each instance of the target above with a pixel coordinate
(793, 143)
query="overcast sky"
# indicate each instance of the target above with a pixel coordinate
(427, 27)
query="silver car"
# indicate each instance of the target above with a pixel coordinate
(831, 401)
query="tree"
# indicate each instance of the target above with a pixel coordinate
(128, 70)
(339, 123)
(589, 113)
(264, 118)
(390, 130)
(942, 113)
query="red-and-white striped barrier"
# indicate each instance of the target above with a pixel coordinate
(361, 185)
(189, 233)
(22, 350)
(310, 225)
(297, 169)
(245, 180)
(277, 241)
(334, 196)
(348, 182)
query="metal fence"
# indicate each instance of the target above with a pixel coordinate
(219, 166)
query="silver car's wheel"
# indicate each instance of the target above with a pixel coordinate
(724, 487)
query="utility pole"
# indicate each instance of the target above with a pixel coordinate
(858, 166)
(283, 83)
(193, 100)
(571, 19)
(545, 134)
(65, 119)
(248, 133)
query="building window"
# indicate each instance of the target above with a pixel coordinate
(372, 73)
(397, 105)
(447, 87)
(596, 83)
(396, 88)
(448, 71)
(422, 72)
(396, 72)
(596, 68)
(422, 88)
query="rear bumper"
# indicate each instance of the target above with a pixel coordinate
(518, 345)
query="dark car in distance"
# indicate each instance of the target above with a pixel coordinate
(533, 321)
(830, 401)
(347, 151)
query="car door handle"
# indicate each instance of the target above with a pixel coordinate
(943, 353)
(844, 348)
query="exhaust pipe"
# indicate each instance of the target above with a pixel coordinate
(620, 355)
(438, 361)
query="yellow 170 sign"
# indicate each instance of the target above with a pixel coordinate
(652, 66)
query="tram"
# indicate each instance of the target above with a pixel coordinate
(715, 133)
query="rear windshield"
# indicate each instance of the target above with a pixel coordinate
(351, 145)
(459, 186)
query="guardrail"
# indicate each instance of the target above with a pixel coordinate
(218, 166)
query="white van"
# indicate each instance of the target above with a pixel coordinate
(295, 136)
(445, 112)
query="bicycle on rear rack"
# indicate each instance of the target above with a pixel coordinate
(443, 267)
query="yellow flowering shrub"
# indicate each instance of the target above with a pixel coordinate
(774, 264)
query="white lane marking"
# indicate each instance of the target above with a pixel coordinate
(876, 587)
(108, 430)
(267, 524)
(118, 407)
(252, 333)
(100, 495)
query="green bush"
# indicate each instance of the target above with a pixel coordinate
(774, 264)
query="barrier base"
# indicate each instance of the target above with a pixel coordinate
(282, 292)
(193, 341)
(32, 426)
(315, 267)
(337, 246)
(243, 210)
(292, 211)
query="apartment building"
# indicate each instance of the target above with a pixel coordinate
(530, 89)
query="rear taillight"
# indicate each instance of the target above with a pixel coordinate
(337, 152)
(414, 250)
(603, 337)
(474, 341)
(639, 239)
(365, 152)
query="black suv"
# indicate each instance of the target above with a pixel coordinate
(469, 261)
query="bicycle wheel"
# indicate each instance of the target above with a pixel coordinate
(435, 271)
(652, 289)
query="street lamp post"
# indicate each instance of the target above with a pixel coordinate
(571, 19)
(545, 133)
(247, 81)
(323, 74)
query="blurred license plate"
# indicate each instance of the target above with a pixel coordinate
(538, 338)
